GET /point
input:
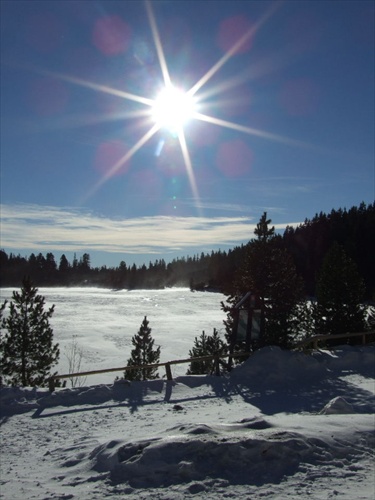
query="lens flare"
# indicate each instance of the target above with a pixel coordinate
(172, 109)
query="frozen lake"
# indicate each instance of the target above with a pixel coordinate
(104, 321)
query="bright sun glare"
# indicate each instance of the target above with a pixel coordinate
(173, 108)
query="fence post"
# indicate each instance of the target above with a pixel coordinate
(51, 384)
(217, 366)
(168, 371)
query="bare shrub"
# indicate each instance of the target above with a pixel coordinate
(74, 354)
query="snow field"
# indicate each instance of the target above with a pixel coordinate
(283, 425)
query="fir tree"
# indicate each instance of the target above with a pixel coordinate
(262, 231)
(268, 271)
(205, 345)
(64, 265)
(2, 308)
(340, 293)
(26, 339)
(143, 354)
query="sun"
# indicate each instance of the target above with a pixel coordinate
(173, 108)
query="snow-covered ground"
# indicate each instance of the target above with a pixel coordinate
(282, 425)
(104, 321)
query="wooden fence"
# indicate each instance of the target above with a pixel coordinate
(216, 358)
(314, 341)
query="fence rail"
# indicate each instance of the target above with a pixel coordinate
(319, 338)
(167, 365)
(311, 340)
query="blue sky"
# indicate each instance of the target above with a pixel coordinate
(283, 122)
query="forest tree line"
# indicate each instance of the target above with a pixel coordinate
(266, 306)
(307, 244)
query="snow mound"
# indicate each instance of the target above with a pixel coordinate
(337, 406)
(345, 358)
(194, 429)
(84, 395)
(255, 423)
(235, 436)
(272, 379)
(16, 400)
(273, 366)
(199, 455)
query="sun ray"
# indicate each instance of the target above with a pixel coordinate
(220, 63)
(188, 165)
(150, 103)
(116, 167)
(85, 83)
(168, 84)
(158, 45)
(225, 85)
(74, 121)
(99, 87)
(251, 131)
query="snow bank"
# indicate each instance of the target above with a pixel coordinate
(15, 400)
(268, 370)
(302, 422)
(274, 367)
(200, 455)
(358, 359)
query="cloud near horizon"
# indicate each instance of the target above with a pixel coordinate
(35, 227)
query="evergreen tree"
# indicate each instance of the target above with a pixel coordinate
(50, 269)
(84, 263)
(64, 270)
(64, 264)
(26, 339)
(262, 231)
(2, 308)
(205, 345)
(143, 354)
(340, 293)
(268, 271)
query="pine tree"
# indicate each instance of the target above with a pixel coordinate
(26, 339)
(262, 231)
(268, 271)
(205, 345)
(64, 264)
(143, 354)
(340, 293)
(2, 308)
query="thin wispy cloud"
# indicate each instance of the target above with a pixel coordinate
(47, 228)
(240, 208)
(217, 206)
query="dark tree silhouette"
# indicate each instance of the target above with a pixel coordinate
(340, 293)
(268, 271)
(64, 264)
(143, 353)
(26, 340)
(205, 345)
(308, 243)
